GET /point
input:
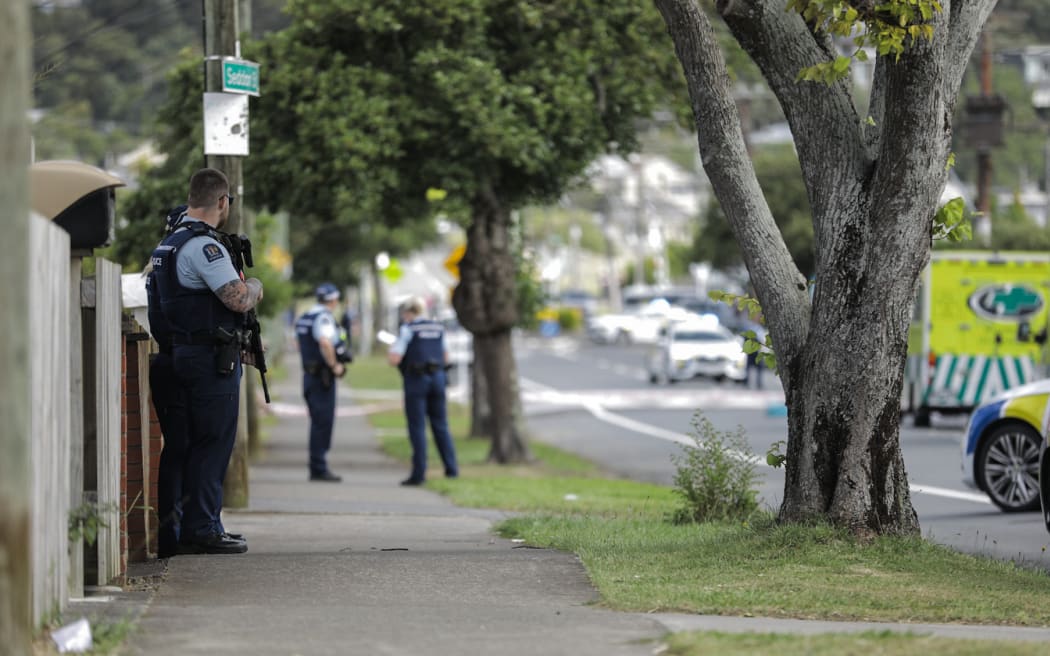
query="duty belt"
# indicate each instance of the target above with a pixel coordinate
(205, 338)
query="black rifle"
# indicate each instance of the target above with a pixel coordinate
(240, 248)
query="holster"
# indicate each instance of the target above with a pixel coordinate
(322, 371)
(227, 351)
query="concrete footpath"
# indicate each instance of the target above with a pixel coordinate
(368, 567)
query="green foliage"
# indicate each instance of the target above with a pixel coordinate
(648, 272)
(494, 101)
(715, 476)
(774, 457)
(85, 521)
(888, 27)
(763, 349)
(279, 291)
(570, 319)
(529, 290)
(951, 223)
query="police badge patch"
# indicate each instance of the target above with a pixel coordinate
(212, 252)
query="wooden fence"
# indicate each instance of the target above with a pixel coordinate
(75, 393)
(51, 450)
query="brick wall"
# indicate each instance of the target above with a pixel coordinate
(140, 451)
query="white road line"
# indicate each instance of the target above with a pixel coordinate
(919, 488)
(601, 414)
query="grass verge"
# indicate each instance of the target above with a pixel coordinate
(639, 561)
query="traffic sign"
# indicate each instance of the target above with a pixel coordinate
(452, 261)
(240, 76)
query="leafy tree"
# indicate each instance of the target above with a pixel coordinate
(499, 103)
(102, 65)
(873, 176)
(785, 192)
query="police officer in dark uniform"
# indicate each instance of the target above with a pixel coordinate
(203, 299)
(169, 403)
(420, 354)
(324, 354)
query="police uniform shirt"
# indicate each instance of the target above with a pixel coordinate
(404, 336)
(204, 262)
(324, 325)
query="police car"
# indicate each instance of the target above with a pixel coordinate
(1004, 448)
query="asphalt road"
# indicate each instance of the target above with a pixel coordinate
(596, 400)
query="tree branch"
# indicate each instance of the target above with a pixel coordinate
(966, 20)
(781, 44)
(780, 287)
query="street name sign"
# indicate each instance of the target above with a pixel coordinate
(240, 76)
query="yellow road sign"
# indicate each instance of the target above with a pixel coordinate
(452, 261)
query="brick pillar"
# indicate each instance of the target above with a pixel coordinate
(137, 461)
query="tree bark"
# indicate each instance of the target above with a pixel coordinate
(480, 412)
(486, 304)
(15, 584)
(873, 191)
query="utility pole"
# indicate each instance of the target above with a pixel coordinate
(221, 40)
(15, 501)
(984, 125)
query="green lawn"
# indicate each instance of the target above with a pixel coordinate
(639, 561)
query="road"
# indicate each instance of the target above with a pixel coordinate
(596, 401)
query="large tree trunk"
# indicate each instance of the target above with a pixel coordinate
(15, 503)
(486, 304)
(873, 187)
(480, 412)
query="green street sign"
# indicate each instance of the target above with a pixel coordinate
(239, 76)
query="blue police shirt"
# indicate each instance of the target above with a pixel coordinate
(324, 325)
(204, 263)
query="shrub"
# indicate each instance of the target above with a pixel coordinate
(570, 319)
(715, 475)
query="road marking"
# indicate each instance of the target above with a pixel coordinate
(599, 412)
(919, 488)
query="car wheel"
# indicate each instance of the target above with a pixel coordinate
(623, 338)
(1008, 466)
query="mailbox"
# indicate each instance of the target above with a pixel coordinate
(78, 197)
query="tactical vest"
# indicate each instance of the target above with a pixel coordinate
(310, 348)
(158, 323)
(425, 347)
(193, 314)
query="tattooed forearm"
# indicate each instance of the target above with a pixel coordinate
(240, 296)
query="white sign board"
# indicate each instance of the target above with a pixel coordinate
(225, 124)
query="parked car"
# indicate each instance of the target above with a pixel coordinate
(642, 326)
(696, 347)
(1003, 448)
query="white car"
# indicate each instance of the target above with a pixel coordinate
(698, 347)
(641, 327)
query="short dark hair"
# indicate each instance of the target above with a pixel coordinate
(207, 186)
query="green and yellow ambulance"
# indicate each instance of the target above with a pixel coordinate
(979, 328)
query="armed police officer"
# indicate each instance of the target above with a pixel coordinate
(324, 354)
(421, 355)
(203, 299)
(169, 403)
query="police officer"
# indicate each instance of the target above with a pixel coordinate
(420, 354)
(324, 354)
(203, 299)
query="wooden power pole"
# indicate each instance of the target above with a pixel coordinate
(15, 502)
(221, 40)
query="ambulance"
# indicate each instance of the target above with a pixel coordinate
(979, 328)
